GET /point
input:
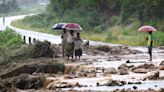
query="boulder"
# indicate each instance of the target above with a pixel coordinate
(104, 48)
(161, 68)
(111, 70)
(140, 70)
(90, 75)
(68, 77)
(162, 63)
(153, 75)
(123, 66)
(112, 83)
(146, 66)
(53, 83)
(86, 68)
(122, 71)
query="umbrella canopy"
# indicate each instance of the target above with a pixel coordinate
(58, 26)
(72, 26)
(147, 29)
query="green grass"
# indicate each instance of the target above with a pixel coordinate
(117, 34)
(9, 40)
(23, 25)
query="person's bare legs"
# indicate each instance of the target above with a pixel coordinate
(67, 57)
(150, 56)
(75, 58)
(150, 53)
(79, 58)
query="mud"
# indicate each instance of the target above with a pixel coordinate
(52, 68)
(100, 67)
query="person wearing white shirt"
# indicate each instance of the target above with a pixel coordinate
(69, 50)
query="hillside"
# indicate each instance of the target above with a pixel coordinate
(115, 21)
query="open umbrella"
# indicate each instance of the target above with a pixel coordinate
(58, 26)
(72, 26)
(147, 29)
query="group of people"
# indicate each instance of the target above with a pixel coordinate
(71, 44)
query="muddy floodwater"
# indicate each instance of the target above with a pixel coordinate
(105, 62)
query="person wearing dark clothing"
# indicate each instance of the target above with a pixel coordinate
(78, 46)
(150, 44)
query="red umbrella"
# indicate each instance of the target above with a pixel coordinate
(147, 29)
(72, 26)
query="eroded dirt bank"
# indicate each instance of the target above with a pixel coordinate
(102, 68)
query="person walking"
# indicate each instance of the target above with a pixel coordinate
(78, 46)
(150, 44)
(69, 50)
(64, 41)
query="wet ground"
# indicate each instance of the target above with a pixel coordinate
(90, 71)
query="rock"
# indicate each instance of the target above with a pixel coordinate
(77, 84)
(162, 63)
(134, 87)
(128, 61)
(86, 43)
(123, 66)
(90, 75)
(69, 69)
(68, 77)
(155, 86)
(140, 70)
(122, 71)
(104, 48)
(112, 83)
(161, 68)
(110, 71)
(53, 83)
(146, 66)
(134, 83)
(86, 68)
(99, 71)
(50, 81)
(154, 75)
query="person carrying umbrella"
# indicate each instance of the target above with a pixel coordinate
(59, 26)
(74, 28)
(64, 41)
(69, 49)
(150, 38)
(150, 44)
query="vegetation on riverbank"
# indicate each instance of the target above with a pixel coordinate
(115, 34)
(9, 40)
(112, 21)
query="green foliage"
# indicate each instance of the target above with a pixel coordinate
(159, 38)
(144, 10)
(9, 39)
(8, 6)
(113, 21)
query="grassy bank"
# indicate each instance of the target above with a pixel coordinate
(116, 34)
(113, 32)
(9, 40)
(21, 24)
